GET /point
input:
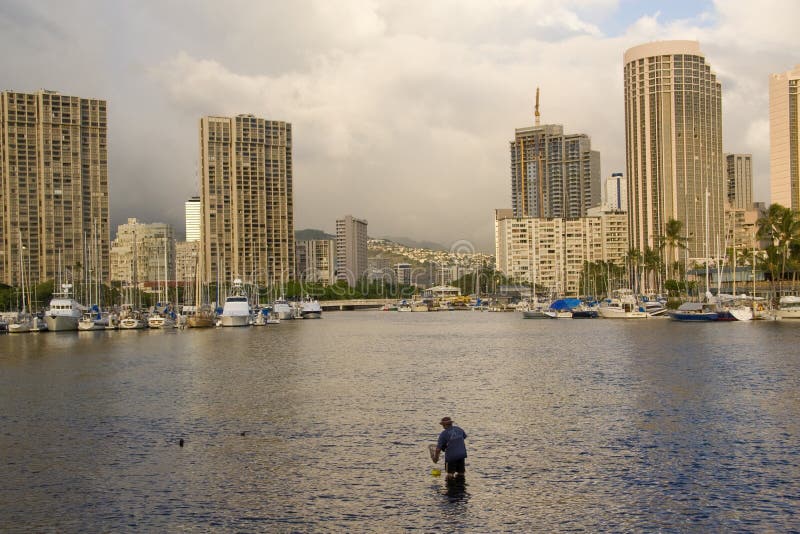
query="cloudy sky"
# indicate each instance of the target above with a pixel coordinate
(401, 110)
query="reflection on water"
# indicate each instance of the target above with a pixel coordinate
(590, 425)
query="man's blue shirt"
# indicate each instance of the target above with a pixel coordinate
(451, 441)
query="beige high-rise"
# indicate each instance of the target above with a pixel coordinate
(784, 134)
(53, 186)
(739, 180)
(673, 137)
(351, 249)
(246, 199)
(553, 174)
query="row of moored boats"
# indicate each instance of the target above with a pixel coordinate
(625, 305)
(65, 313)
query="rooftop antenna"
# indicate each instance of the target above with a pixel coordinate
(536, 112)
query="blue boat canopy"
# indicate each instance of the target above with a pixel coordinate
(565, 304)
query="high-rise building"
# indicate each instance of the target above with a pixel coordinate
(550, 252)
(616, 192)
(246, 199)
(784, 138)
(143, 254)
(187, 262)
(53, 187)
(673, 138)
(316, 260)
(193, 215)
(553, 174)
(351, 249)
(739, 180)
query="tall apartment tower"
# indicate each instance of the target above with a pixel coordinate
(673, 138)
(53, 186)
(351, 249)
(784, 138)
(739, 180)
(553, 174)
(193, 216)
(617, 192)
(246, 199)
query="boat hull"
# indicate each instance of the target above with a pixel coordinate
(787, 315)
(160, 322)
(534, 314)
(132, 324)
(311, 315)
(61, 323)
(200, 322)
(694, 317)
(234, 320)
(619, 313)
(85, 326)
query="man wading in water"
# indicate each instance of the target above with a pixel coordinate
(451, 441)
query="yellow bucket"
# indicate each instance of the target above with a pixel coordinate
(436, 472)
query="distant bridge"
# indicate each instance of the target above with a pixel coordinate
(354, 304)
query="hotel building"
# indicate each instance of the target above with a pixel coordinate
(673, 136)
(784, 138)
(246, 199)
(53, 187)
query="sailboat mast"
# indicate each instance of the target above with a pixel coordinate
(705, 244)
(22, 269)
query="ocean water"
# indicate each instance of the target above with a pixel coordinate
(592, 425)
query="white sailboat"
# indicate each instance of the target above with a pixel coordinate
(25, 322)
(162, 315)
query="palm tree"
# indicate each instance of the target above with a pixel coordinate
(672, 239)
(781, 226)
(633, 259)
(652, 265)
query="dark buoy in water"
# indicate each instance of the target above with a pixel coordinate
(180, 442)
(243, 433)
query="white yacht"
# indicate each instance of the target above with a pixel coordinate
(236, 310)
(282, 309)
(788, 308)
(311, 309)
(64, 312)
(622, 305)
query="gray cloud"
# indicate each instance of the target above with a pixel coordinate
(402, 111)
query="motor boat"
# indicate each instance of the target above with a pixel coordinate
(64, 312)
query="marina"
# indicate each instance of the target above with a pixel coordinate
(315, 425)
